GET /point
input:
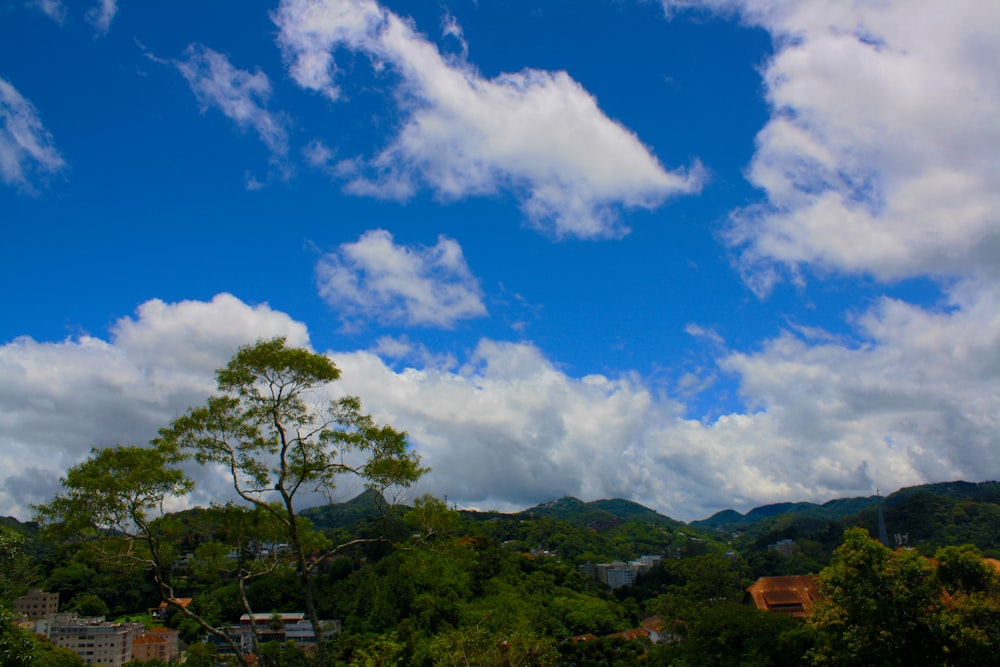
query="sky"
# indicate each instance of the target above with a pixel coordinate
(701, 255)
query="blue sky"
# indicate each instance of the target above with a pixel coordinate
(698, 256)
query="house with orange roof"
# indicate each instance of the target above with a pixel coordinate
(157, 643)
(793, 595)
(157, 612)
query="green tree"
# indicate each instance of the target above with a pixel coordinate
(881, 607)
(275, 434)
(201, 654)
(962, 569)
(16, 646)
(111, 502)
(970, 626)
(17, 571)
(88, 604)
(970, 623)
(739, 635)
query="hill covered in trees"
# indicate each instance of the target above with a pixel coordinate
(428, 585)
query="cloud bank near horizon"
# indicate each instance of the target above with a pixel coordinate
(506, 428)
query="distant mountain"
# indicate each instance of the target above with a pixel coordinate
(627, 509)
(833, 509)
(598, 514)
(28, 529)
(980, 492)
(368, 504)
(840, 508)
(790, 517)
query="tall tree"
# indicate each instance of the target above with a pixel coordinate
(273, 429)
(881, 607)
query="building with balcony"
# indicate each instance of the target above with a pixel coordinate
(95, 640)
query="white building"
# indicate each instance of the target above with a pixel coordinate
(618, 574)
(292, 626)
(95, 640)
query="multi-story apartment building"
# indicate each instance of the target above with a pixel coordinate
(36, 604)
(95, 640)
(618, 574)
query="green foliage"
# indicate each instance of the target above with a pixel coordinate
(284, 654)
(201, 654)
(114, 495)
(737, 635)
(88, 604)
(49, 655)
(17, 571)
(962, 569)
(603, 652)
(265, 430)
(880, 606)
(16, 646)
(477, 646)
(970, 628)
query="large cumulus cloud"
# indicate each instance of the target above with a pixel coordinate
(880, 154)
(506, 427)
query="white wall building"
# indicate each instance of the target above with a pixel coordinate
(95, 640)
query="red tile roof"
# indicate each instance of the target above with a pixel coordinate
(792, 595)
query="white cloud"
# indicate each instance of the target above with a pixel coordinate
(374, 278)
(54, 9)
(536, 133)
(917, 401)
(102, 14)
(880, 154)
(26, 148)
(241, 95)
(57, 400)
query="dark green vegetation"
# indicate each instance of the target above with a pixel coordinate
(425, 585)
(428, 585)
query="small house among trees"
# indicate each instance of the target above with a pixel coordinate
(793, 595)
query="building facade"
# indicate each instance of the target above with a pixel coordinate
(95, 640)
(618, 573)
(280, 627)
(157, 644)
(36, 604)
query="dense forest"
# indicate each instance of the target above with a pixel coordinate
(425, 584)
(429, 585)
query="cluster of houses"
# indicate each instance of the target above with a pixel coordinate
(112, 644)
